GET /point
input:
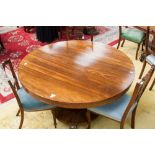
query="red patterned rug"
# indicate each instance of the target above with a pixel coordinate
(18, 44)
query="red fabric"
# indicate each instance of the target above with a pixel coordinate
(6, 98)
(113, 43)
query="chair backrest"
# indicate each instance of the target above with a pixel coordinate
(13, 84)
(150, 44)
(138, 92)
(6, 64)
(76, 33)
(120, 29)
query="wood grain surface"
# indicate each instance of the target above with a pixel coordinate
(76, 74)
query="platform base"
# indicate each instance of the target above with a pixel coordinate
(73, 117)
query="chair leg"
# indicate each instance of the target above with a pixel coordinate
(54, 118)
(59, 35)
(67, 36)
(123, 43)
(119, 41)
(18, 113)
(22, 119)
(122, 125)
(88, 117)
(137, 51)
(143, 45)
(142, 71)
(133, 118)
(92, 37)
(152, 84)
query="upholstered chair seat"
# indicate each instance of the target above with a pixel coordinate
(114, 110)
(150, 59)
(29, 103)
(133, 35)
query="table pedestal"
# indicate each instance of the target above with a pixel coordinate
(72, 117)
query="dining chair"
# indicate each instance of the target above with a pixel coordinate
(91, 31)
(25, 101)
(120, 108)
(75, 33)
(150, 55)
(133, 35)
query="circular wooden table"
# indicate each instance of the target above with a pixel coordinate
(76, 74)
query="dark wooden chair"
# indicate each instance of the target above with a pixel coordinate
(150, 55)
(74, 33)
(153, 83)
(133, 35)
(24, 100)
(119, 109)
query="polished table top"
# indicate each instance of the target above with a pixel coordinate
(76, 74)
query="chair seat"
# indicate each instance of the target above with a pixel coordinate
(150, 59)
(29, 103)
(114, 110)
(133, 35)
